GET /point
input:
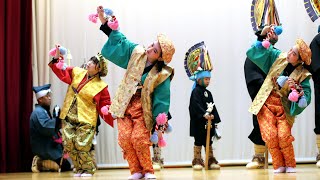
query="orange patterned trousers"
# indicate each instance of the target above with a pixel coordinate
(134, 138)
(276, 132)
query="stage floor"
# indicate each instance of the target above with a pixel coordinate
(304, 172)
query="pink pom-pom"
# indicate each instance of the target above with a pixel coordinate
(60, 65)
(114, 25)
(93, 17)
(63, 51)
(65, 156)
(293, 96)
(162, 143)
(162, 119)
(105, 110)
(266, 44)
(58, 140)
(52, 52)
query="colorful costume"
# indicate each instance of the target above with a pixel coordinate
(157, 159)
(44, 135)
(198, 66)
(82, 106)
(143, 94)
(275, 112)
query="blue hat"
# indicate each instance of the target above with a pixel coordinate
(41, 91)
(200, 74)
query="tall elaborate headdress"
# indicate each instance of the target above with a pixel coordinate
(197, 59)
(313, 9)
(263, 12)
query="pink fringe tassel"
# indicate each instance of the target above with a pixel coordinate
(162, 118)
(162, 143)
(105, 110)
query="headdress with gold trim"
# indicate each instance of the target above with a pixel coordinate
(313, 9)
(103, 63)
(263, 12)
(167, 48)
(304, 51)
(197, 59)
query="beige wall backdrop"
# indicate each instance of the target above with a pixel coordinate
(226, 29)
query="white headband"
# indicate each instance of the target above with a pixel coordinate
(42, 93)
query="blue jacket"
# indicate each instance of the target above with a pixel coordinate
(42, 130)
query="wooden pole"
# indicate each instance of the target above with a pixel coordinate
(266, 154)
(61, 161)
(208, 144)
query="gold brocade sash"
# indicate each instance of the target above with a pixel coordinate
(152, 80)
(128, 85)
(267, 86)
(86, 107)
(299, 74)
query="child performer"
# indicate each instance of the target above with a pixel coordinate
(275, 112)
(143, 95)
(87, 98)
(198, 67)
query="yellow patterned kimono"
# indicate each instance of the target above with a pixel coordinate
(79, 114)
(86, 107)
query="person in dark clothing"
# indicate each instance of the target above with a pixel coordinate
(314, 68)
(45, 137)
(255, 77)
(199, 64)
(200, 96)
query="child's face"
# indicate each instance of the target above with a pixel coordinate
(204, 81)
(293, 56)
(153, 51)
(92, 68)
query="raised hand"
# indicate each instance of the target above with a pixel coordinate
(57, 51)
(265, 30)
(291, 82)
(100, 12)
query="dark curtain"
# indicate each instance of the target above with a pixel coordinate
(15, 85)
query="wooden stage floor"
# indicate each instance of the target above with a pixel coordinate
(304, 172)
